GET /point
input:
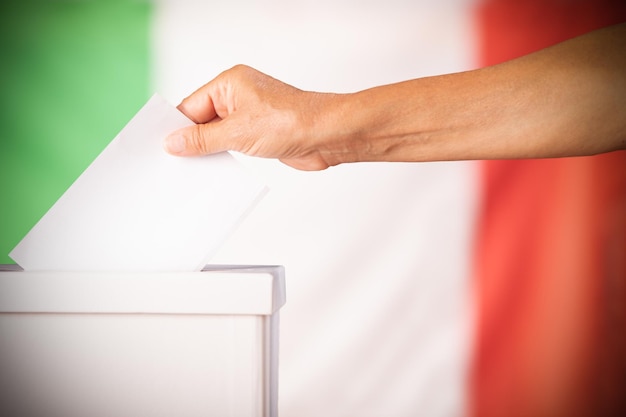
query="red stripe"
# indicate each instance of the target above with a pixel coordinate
(551, 251)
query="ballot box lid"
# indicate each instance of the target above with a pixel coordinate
(217, 289)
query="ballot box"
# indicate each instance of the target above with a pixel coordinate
(188, 344)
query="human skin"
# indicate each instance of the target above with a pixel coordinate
(566, 100)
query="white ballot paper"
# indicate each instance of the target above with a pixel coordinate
(137, 208)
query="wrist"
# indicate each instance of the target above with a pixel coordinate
(378, 124)
(327, 128)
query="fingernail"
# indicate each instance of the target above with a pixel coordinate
(175, 143)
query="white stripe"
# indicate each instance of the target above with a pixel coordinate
(377, 255)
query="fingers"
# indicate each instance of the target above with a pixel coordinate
(195, 140)
(214, 99)
(199, 106)
(199, 139)
(203, 107)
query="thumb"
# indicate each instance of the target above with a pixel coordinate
(192, 141)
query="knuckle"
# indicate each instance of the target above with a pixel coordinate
(198, 140)
(241, 69)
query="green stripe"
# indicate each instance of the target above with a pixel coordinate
(72, 73)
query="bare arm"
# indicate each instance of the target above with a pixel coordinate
(566, 100)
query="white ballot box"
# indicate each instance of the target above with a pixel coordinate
(96, 344)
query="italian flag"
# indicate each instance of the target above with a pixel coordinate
(481, 288)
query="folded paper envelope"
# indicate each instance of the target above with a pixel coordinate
(137, 208)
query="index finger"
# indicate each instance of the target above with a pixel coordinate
(199, 106)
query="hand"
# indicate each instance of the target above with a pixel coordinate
(567, 100)
(246, 111)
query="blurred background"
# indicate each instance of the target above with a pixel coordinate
(435, 289)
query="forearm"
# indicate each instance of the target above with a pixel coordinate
(566, 100)
(563, 101)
